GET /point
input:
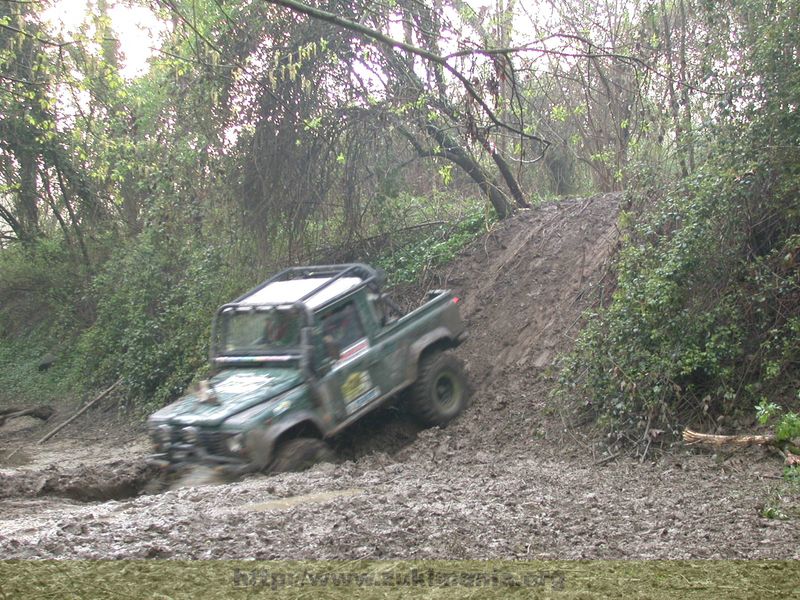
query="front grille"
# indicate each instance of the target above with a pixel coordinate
(214, 442)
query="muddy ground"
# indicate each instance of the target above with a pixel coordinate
(513, 477)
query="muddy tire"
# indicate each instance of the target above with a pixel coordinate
(299, 454)
(441, 392)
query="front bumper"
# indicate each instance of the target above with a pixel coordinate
(178, 456)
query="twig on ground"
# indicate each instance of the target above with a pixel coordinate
(603, 461)
(81, 411)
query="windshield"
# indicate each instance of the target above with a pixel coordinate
(258, 330)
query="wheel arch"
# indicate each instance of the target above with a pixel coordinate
(262, 444)
(437, 340)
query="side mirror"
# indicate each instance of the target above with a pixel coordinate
(307, 351)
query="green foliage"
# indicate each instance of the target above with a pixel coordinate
(42, 305)
(21, 380)
(440, 246)
(792, 475)
(41, 281)
(155, 299)
(788, 428)
(765, 411)
(787, 434)
(706, 313)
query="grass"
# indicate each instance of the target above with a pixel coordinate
(783, 502)
(398, 579)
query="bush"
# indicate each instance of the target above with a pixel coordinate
(42, 305)
(155, 299)
(40, 283)
(705, 319)
(706, 314)
(435, 247)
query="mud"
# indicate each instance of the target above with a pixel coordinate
(106, 481)
(512, 478)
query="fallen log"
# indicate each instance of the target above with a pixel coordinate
(694, 437)
(80, 412)
(39, 412)
(788, 449)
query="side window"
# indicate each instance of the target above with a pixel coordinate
(343, 326)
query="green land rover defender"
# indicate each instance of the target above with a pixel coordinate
(301, 357)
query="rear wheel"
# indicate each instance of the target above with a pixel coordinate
(298, 454)
(440, 393)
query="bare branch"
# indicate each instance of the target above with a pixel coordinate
(373, 34)
(21, 81)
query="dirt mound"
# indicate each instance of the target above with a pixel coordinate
(524, 287)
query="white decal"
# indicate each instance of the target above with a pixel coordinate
(242, 383)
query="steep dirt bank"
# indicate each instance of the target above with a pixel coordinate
(507, 479)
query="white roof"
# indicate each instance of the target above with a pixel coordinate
(288, 292)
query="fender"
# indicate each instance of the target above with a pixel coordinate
(260, 442)
(435, 336)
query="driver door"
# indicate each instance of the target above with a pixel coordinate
(349, 383)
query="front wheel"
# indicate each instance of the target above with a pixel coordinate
(440, 393)
(299, 454)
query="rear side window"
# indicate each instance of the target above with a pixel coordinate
(343, 326)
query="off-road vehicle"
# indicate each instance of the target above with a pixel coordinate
(303, 356)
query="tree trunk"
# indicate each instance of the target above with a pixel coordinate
(673, 97)
(455, 153)
(505, 171)
(685, 98)
(27, 200)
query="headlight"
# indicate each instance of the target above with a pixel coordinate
(161, 436)
(236, 443)
(190, 435)
(164, 434)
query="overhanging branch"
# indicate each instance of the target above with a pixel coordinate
(382, 38)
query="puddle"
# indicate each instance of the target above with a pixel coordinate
(117, 480)
(291, 501)
(198, 476)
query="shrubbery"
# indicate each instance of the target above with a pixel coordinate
(144, 315)
(436, 247)
(155, 298)
(705, 316)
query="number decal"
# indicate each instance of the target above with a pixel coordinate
(355, 385)
(357, 391)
